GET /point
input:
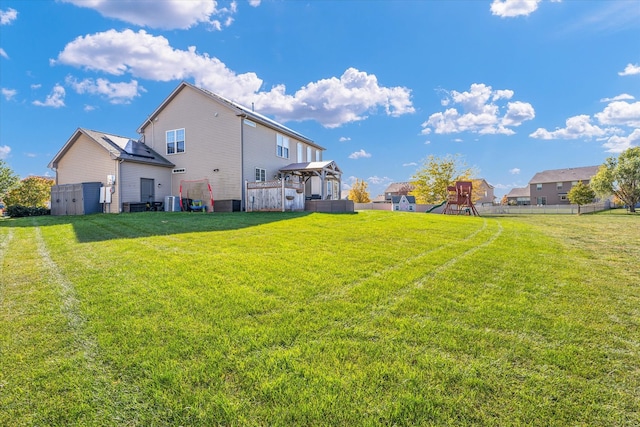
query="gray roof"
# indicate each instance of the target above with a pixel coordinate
(394, 187)
(396, 199)
(519, 192)
(565, 175)
(119, 147)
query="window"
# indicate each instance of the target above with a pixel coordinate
(541, 200)
(574, 183)
(261, 175)
(317, 155)
(179, 170)
(282, 146)
(538, 186)
(563, 197)
(175, 141)
(558, 186)
(308, 154)
(299, 159)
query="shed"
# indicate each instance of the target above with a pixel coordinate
(76, 199)
(404, 203)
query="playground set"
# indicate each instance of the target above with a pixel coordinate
(459, 199)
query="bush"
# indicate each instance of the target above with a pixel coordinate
(17, 211)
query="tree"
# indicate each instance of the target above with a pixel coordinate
(359, 193)
(581, 194)
(620, 177)
(437, 173)
(7, 179)
(33, 191)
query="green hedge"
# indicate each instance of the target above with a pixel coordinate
(17, 211)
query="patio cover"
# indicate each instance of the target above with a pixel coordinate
(327, 170)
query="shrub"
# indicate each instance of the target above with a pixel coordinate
(17, 211)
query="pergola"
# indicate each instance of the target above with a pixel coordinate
(327, 170)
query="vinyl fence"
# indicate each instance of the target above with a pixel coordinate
(503, 210)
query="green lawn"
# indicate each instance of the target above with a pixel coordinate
(282, 319)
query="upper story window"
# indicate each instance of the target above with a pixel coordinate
(299, 159)
(282, 146)
(175, 141)
(317, 155)
(558, 186)
(538, 186)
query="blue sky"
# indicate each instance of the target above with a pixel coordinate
(513, 86)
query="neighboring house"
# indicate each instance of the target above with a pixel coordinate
(195, 135)
(483, 192)
(550, 187)
(519, 196)
(404, 203)
(397, 189)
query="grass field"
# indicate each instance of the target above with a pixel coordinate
(282, 319)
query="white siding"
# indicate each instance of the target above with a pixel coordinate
(130, 181)
(212, 141)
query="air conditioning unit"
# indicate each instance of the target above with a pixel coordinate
(172, 204)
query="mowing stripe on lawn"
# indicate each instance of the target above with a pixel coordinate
(106, 389)
(343, 290)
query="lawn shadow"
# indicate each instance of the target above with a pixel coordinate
(103, 227)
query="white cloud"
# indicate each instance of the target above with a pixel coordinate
(517, 113)
(4, 151)
(620, 113)
(344, 139)
(514, 171)
(576, 127)
(3, 53)
(8, 16)
(480, 113)
(165, 14)
(117, 93)
(359, 154)
(36, 86)
(617, 144)
(630, 70)
(376, 180)
(89, 108)
(512, 8)
(31, 155)
(621, 97)
(410, 164)
(8, 93)
(254, 3)
(332, 102)
(55, 99)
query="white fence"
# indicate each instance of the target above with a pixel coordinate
(542, 209)
(503, 210)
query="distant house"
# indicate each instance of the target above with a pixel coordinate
(404, 203)
(397, 189)
(196, 135)
(483, 191)
(550, 187)
(519, 196)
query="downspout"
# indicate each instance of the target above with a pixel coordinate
(119, 171)
(243, 205)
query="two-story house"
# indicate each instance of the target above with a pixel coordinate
(196, 135)
(550, 187)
